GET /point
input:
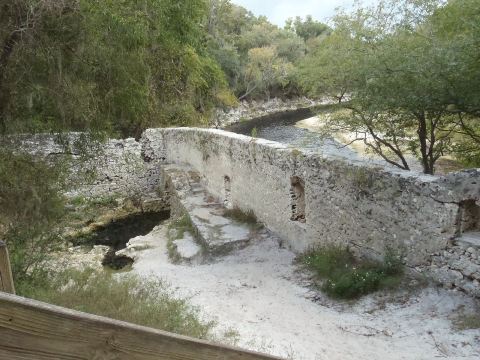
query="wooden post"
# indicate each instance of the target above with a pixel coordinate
(6, 278)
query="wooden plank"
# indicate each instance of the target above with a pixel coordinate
(33, 330)
(6, 278)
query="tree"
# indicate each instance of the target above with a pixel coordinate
(234, 32)
(331, 67)
(400, 76)
(265, 70)
(91, 66)
(61, 69)
(31, 205)
(308, 28)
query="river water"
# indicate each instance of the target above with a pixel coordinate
(297, 129)
(286, 129)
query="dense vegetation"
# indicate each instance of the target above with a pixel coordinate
(122, 66)
(407, 73)
(411, 70)
(258, 58)
(116, 66)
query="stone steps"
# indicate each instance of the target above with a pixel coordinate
(213, 230)
(186, 249)
(459, 265)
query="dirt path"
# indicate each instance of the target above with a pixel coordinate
(258, 292)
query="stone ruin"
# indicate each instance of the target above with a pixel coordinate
(306, 199)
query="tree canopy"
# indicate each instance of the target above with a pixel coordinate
(411, 71)
(118, 66)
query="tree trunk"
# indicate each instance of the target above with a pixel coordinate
(7, 50)
(422, 137)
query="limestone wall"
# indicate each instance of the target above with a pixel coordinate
(117, 167)
(368, 208)
(308, 199)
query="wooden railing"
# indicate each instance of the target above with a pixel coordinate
(31, 330)
(6, 278)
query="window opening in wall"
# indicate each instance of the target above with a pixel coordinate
(297, 194)
(469, 217)
(227, 186)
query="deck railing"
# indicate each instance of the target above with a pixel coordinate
(32, 330)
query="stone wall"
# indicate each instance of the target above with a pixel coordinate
(309, 199)
(367, 208)
(114, 167)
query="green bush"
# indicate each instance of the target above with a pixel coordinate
(467, 322)
(31, 207)
(346, 277)
(148, 302)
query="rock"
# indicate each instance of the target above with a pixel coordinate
(471, 288)
(187, 249)
(99, 250)
(447, 276)
(468, 268)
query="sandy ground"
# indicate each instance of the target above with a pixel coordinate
(259, 293)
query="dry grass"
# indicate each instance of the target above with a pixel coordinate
(467, 321)
(239, 215)
(147, 302)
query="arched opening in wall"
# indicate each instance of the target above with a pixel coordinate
(227, 192)
(297, 194)
(468, 220)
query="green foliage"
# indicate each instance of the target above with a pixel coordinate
(328, 68)
(176, 230)
(411, 71)
(307, 29)
(147, 302)
(346, 277)
(265, 70)
(181, 225)
(31, 206)
(257, 56)
(66, 72)
(254, 132)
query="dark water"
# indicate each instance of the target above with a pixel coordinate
(284, 119)
(118, 232)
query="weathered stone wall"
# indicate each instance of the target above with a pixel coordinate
(458, 266)
(118, 167)
(309, 199)
(368, 208)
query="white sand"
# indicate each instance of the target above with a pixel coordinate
(258, 292)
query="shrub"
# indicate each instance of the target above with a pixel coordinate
(467, 322)
(31, 207)
(239, 215)
(346, 277)
(148, 302)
